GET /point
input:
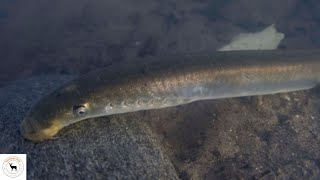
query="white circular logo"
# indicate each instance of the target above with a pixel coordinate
(12, 166)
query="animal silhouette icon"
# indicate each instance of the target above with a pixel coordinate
(13, 167)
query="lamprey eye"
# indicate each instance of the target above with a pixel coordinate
(80, 110)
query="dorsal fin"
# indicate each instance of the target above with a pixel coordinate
(267, 39)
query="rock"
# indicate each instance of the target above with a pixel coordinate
(266, 137)
(269, 137)
(114, 147)
(251, 13)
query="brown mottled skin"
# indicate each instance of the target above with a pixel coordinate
(171, 80)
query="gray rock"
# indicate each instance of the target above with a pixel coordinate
(259, 137)
(114, 147)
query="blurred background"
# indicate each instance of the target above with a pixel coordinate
(76, 36)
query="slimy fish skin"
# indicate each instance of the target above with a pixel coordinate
(172, 80)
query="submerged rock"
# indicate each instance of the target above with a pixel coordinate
(264, 137)
(114, 147)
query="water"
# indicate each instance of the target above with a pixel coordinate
(274, 136)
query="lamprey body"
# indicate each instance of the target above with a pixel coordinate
(171, 80)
